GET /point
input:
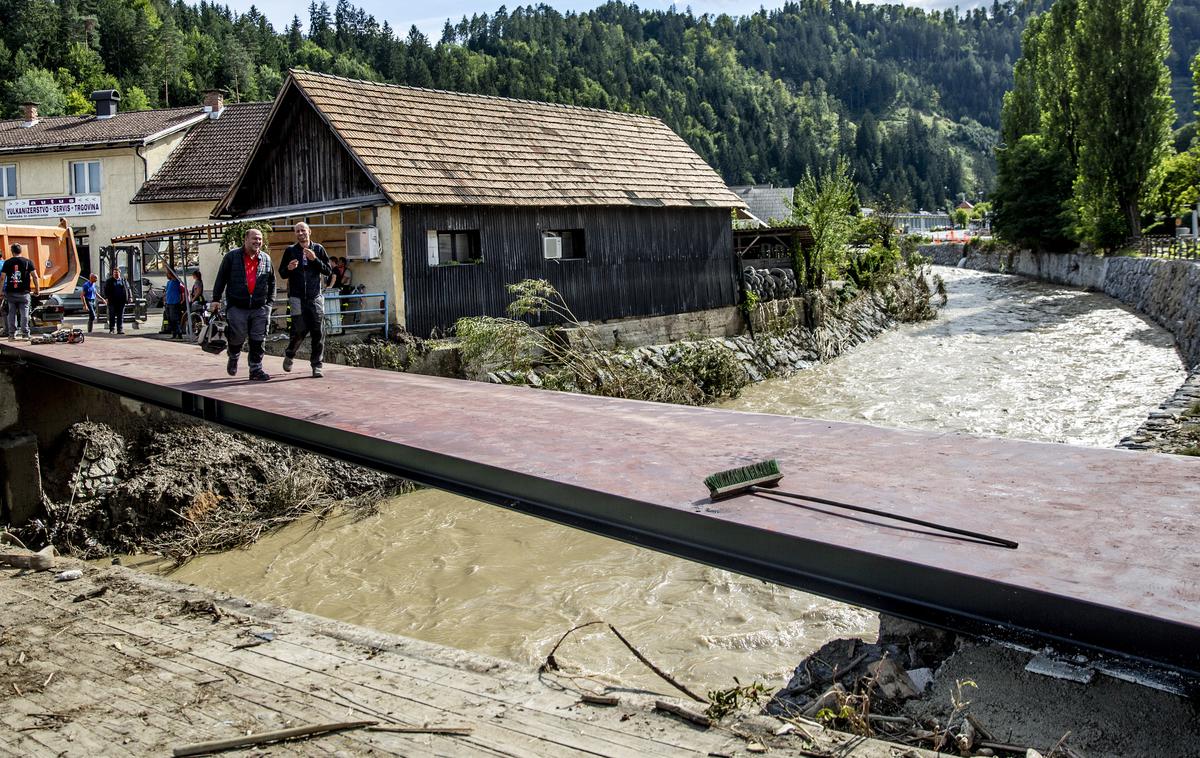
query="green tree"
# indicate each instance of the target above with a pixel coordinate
(1123, 86)
(1196, 84)
(1033, 190)
(825, 203)
(1174, 186)
(1021, 113)
(135, 99)
(37, 85)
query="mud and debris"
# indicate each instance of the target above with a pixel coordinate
(185, 488)
(924, 687)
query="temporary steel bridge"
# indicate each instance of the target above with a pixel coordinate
(1109, 556)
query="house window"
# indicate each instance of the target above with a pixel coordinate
(8, 180)
(572, 247)
(449, 247)
(85, 177)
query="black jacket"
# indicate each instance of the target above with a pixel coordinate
(117, 289)
(232, 275)
(305, 281)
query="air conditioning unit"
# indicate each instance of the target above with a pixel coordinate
(551, 247)
(362, 244)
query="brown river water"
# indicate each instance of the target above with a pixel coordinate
(1006, 357)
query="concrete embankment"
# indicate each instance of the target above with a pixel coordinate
(1166, 291)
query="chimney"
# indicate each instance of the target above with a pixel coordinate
(106, 102)
(31, 114)
(214, 103)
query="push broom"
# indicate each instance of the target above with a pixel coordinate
(761, 479)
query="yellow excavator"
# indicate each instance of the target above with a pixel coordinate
(52, 251)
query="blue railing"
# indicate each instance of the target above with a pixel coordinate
(345, 312)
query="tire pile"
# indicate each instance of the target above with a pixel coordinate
(770, 283)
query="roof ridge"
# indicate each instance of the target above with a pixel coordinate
(92, 116)
(393, 85)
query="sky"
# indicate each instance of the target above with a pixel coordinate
(429, 17)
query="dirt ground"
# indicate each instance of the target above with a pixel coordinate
(1107, 717)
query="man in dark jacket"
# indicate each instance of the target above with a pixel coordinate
(116, 295)
(246, 279)
(305, 266)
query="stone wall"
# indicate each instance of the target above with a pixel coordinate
(789, 335)
(657, 330)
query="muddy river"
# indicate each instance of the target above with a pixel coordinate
(1005, 358)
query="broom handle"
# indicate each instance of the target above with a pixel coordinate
(941, 527)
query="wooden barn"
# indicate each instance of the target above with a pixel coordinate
(451, 197)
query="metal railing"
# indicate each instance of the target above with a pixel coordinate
(343, 313)
(1179, 248)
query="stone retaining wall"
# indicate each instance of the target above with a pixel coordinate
(790, 335)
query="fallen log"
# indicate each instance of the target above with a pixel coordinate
(249, 740)
(683, 713)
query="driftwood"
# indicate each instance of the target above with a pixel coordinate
(591, 699)
(683, 713)
(551, 664)
(89, 595)
(43, 560)
(456, 730)
(262, 738)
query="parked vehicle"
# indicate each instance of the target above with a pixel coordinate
(72, 302)
(52, 251)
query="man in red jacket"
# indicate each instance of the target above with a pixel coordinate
(250, 278)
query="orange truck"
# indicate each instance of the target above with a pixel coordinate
(52, 250)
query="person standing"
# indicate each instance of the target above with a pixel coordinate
(197, 293)
(345, 281)
(116, 295)
(196, 303)
(246, 279)
(88, 293)
(305, 266)
(19, 275)
(173, 305)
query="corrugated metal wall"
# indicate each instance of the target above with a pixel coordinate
(639, 262)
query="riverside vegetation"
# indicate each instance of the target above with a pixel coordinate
(854, 292)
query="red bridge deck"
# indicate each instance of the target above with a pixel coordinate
(1108, 556)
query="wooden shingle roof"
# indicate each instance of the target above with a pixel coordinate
(71, 132)
(432, 147)
(209, 158)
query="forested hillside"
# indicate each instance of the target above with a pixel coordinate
(912, 99)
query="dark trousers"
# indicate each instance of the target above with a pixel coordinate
(244, 325)
(308, 317)
(91, 309)
(116, 315)
(174, 313)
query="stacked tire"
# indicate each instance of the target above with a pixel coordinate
(770, 283)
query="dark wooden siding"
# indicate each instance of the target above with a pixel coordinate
(301, 162)
(640, 262)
